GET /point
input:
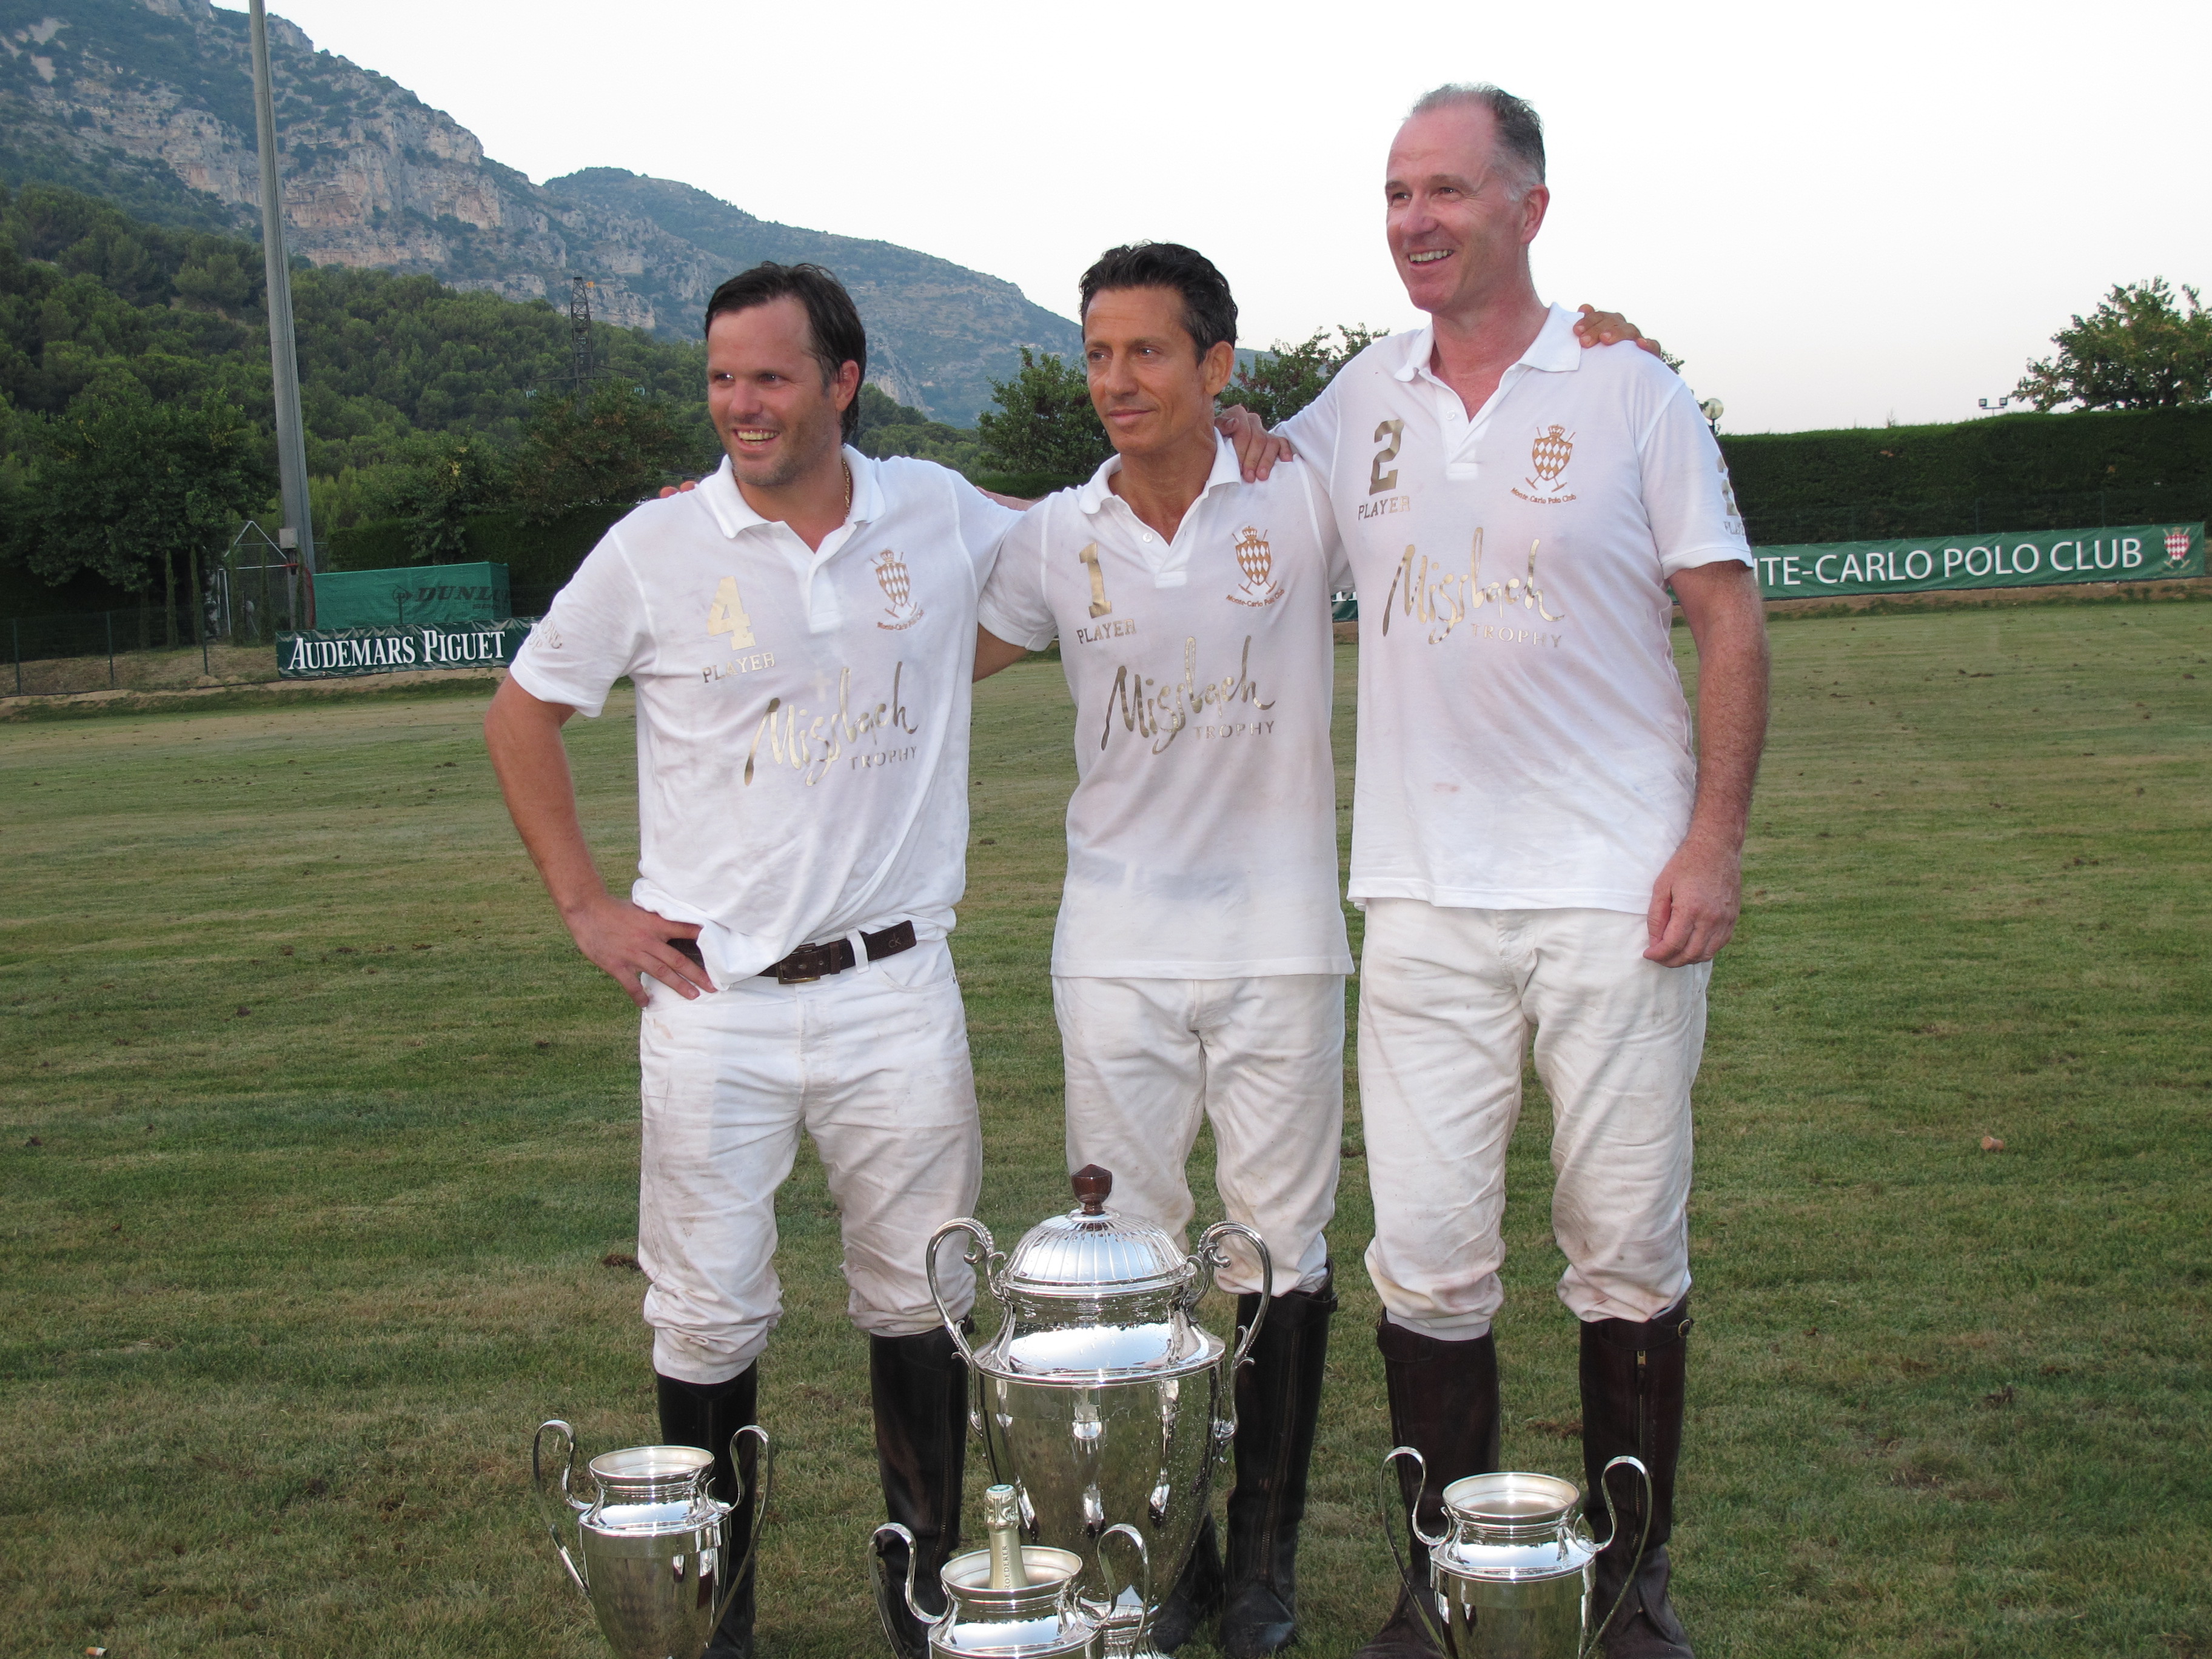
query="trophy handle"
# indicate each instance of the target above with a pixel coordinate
(1421, 1596)
(1613, 1515)
(981, 1252)
(1213, 1258)
(763, 1483)
(545, 1511)
(913, 1561)
(1142, 1582)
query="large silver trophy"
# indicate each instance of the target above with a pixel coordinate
(1100, 1399)
(1511, 1574)
(658, 1565)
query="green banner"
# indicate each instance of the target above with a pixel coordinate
(337, 653)
(418, 596)
(2027, 558)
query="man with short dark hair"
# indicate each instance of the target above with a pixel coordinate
(1199, 956)
(1535, 845)
(800, 631)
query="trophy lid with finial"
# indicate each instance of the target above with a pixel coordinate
(1093, 1251)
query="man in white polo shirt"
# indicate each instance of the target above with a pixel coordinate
(1199, 961)
(1534, 844)
(800, 631)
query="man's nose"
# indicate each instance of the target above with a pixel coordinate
(1113, 376)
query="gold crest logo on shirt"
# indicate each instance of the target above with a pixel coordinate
(1547, 458)
(1257, 561)
(891, 576)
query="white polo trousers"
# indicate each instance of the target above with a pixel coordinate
(1447, 998)
(872, 1063)
(1261, 1057)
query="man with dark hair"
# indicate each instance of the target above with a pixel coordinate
(1533, 841)
(800, 631)
(1199, 956)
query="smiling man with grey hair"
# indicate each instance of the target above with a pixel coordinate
(1537, 844)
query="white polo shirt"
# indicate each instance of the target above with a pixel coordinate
(802, 716)
(1201, 836)
(1524, 740)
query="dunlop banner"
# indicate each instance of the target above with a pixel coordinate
(2029, 558)
(351, 650)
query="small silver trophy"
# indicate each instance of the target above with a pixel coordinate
(657, 1564)
(1509, 1575)
(1010, 1600)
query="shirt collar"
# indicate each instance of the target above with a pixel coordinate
(1554, 349)
(1227, 469)
(734, 514)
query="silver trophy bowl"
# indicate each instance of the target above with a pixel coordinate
(1099, 1398)
(656, 1562)
(1048, 1618)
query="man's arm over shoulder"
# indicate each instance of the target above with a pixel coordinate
(1014, 608)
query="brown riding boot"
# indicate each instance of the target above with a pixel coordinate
(1443, 1403)
(1632, 1378)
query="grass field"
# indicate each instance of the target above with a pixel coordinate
(317, 1139)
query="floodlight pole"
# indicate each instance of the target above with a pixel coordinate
(284, 357)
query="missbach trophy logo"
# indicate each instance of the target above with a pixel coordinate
(1257, 561)
(1547, 458)
(2177, 544)
(891, 576)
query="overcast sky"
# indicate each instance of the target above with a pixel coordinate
(1836, 214)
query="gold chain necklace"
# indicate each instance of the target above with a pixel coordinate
(847, 466)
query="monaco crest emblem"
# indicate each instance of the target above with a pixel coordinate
(1547, 458)
(1257, 561)
(1551, 453)
(892, 577)
(2177, 544)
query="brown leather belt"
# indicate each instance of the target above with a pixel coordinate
(811, 962)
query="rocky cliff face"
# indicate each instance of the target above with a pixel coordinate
(142, 98)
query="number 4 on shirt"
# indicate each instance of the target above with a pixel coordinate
(727, 615)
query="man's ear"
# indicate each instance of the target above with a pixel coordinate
(1215, 368)
(846, 385)
(1534, 206)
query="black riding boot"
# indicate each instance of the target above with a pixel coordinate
(1196, 1594)
(919, 1385)
(1443, 1403)
(1277, 1404)
(1632, 1375)
(706, 1415)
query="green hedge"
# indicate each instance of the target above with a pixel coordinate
(536, 556)
(2006, 472)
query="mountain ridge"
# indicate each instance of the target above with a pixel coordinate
(149, 103)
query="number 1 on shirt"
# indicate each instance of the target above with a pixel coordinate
(1100, 604)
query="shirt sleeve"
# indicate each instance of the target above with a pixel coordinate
(1313, 430)
(983, 525)
(1334, 557)
(595, 632)
(1687, 494)
(1013, 605)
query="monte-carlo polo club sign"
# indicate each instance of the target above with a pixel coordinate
(351, 650)
(2027, 558)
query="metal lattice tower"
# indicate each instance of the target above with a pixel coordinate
(580, 331)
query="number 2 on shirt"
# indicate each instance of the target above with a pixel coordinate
(1377, 479)
(1100, 604)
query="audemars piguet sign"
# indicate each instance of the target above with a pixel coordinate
(2131, 553)
(351, 651)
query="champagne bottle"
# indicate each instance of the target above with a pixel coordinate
(1002, 1519)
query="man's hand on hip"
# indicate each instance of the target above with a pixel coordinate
(1694, 903)
(628, 941)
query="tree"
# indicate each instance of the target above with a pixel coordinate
(129, 486)
(461, 476)
(2139, 349)
(612, 445)
(1043, 427)
(1279, 383)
